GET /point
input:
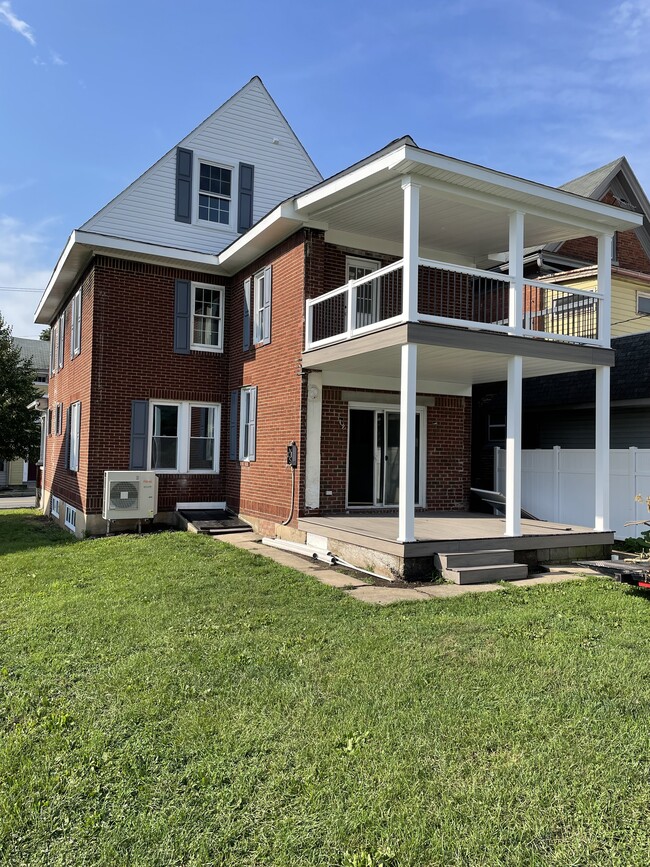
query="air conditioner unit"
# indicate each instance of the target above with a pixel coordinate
(131, 494)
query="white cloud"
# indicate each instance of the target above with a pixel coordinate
(631, 16)
(25, 261)
(57, 60)
(8, 17)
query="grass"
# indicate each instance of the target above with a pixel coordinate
(169, 700)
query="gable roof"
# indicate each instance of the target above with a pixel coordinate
(37, 350)
(247, 128)
(591, 184)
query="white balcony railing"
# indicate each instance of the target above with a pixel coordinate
(457, 296)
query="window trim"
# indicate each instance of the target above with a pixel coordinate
(55, 506)
(61, 341)
(248, 455)
(75, 436)
(75, 325)
(646, 296)
(262, 327)
(217, 436)
(70, 510)
(183, 438)
(205, 347)
(198, 192)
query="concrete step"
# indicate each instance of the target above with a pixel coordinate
(474, 558)
(486, 574)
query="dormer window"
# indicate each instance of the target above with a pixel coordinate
(215, 192)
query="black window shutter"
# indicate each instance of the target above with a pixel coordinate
(245, 205)
(233, 442)
(184, 160)
(247, 314)
(139, 434)
(182, 317)
(66, 439)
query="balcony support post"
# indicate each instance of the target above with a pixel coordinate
(604, 288)
(602, 449)
(513, 447)
(407, 410)
(411, 250)
(516, 272)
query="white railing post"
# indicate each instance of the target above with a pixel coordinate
(351, 308)
(602, 448)
(411, 250)
(604, 286)
(516, 272)
(309, 324)
(406, 507)
(513, 447)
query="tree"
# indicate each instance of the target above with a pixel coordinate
(45, 334)
(19, 433)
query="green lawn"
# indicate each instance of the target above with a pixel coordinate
(169, 700)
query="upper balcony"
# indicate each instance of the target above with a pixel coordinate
(458, 296)
(451, 229)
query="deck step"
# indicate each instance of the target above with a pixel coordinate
(498, 557)
(486, 574)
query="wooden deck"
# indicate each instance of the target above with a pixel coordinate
(445, 532)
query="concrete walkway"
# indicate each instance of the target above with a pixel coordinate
(360, 589)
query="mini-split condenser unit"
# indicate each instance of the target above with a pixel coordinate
(131, 494)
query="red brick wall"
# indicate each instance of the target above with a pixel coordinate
(447, 459)
(128, 330)
(262, 488)
(66, 386)
(629, 253)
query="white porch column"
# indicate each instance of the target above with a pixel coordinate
(406, 521)
(513, 447)
(313, 439)
(25, 471)
(602, 449)
(516, 272)
(411, 250)
(605, 287)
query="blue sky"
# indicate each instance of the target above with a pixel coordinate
(92, 93)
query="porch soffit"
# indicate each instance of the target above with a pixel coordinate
(451, 355)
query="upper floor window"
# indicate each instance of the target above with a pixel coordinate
(215, 193)
(643, 303)
(61, 340)
(75, 325)
(262, 308)
(207, 317)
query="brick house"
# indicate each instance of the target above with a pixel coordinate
(230, 302)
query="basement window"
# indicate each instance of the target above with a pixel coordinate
(55, 504)
(70, 518)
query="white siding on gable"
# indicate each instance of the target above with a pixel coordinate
(242, 130)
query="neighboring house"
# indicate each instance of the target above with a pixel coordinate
(559, 411)
(20, 472)
(230, 303)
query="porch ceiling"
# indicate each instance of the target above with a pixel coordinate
(458, 222)
(474, 358)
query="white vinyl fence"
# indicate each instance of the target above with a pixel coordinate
(558, 485)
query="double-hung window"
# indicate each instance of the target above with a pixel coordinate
(247, 423)
(75, 430)
(61, 341)
(215, 193)
(59, 419)
(207, 317)
(184, 437)
(262, 308)
(75, 325)
(164, 436)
